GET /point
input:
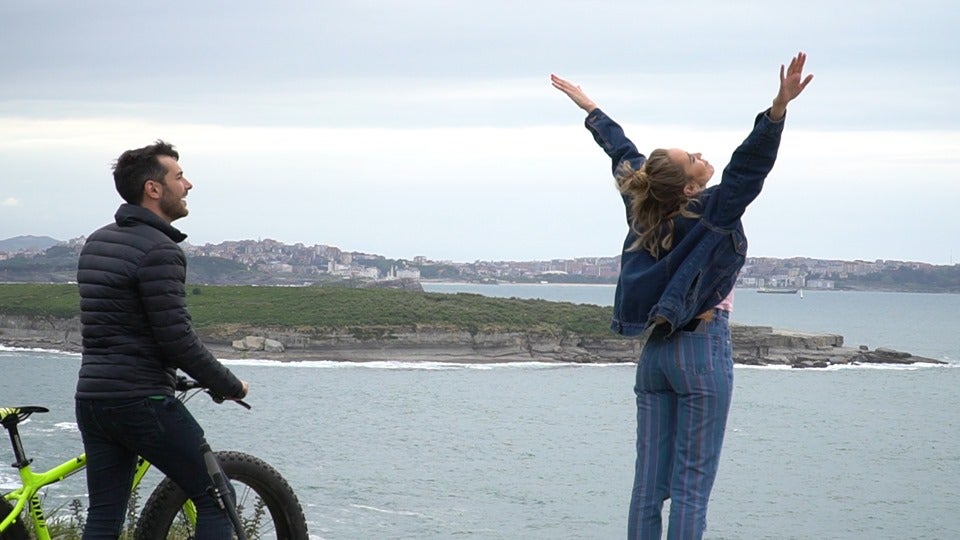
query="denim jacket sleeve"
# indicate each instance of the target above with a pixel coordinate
(610, 136)
(743, 177)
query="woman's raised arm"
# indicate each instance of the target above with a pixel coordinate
(607, 133)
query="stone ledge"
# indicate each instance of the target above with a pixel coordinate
(752, 345)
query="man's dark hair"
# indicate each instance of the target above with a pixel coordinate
(134, 167)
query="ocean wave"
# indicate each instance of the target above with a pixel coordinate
(59, 427)
(8, 481)
(388, 511)
(845, 367)
(488, 366)
(67, 426)
(21, 350)
(413, 365)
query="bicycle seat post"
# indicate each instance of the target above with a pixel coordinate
(18, 451)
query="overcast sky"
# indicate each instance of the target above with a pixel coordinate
(430, 128)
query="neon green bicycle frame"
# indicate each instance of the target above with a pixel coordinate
(28, 494)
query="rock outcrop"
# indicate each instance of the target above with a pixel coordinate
(752, 345)
(258, 343)
(764, 345)
(41, 332)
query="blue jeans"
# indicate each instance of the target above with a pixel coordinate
(684, 387)
(115, 432)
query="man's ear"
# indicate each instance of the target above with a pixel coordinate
(152, 190)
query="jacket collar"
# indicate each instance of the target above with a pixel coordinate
(129, 215)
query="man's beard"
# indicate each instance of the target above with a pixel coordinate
(173, 207)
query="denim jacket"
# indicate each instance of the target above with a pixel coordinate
(701, 268)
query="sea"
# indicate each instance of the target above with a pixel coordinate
(412, 450)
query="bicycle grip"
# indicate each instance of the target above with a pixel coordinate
(218, 399)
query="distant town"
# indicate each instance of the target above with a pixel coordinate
(271, 262)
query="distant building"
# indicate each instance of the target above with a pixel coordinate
(403, 273)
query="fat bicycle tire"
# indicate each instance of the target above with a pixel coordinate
(16, 530)
(253, 479)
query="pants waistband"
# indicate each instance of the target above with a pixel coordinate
(697, 324)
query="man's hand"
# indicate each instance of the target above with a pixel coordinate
(244, 392)
(792, 83)
(573, 92)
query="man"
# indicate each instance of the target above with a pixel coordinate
(136, 333)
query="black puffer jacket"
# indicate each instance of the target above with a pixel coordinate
(136, 328)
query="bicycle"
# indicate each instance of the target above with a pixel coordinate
(266, 506)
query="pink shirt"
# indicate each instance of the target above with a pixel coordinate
(727, 303)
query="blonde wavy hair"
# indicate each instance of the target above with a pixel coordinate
(656, 196)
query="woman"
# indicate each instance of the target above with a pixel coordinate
(684, 247)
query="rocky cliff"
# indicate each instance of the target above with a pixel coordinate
(752, 345)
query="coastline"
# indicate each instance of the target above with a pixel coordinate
(280, 359)
(752, 345)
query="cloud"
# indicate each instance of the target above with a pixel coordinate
(420, 127)
(10, 202)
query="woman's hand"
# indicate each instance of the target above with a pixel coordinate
(573, 92)
(792, 83)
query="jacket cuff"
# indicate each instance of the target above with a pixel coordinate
(764, 126)
(766, 114)
(593, 117)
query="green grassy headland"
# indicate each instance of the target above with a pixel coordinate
(361, 311)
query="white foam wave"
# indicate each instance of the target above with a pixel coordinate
(425, 365)
(59, 427)
(5, 348)
(900, 367)
(67, 426)
(387, 511)
(8, 482)
(450, 366)
(844, 367)
(771, 367)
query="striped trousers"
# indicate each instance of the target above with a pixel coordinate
(684, 387)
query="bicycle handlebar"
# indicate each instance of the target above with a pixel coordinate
(183, 384)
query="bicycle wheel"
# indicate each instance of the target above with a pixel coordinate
(266, 503)
(16, 531)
